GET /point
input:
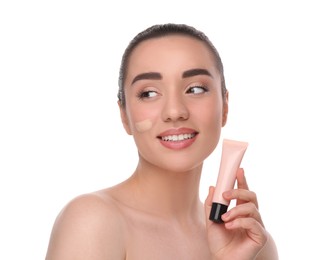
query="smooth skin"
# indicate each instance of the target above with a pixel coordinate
(157, 213)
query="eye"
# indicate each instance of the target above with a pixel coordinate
(197, 90)
(147, 94)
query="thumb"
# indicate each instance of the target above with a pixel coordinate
(208, 201)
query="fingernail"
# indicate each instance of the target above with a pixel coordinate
(228, 224)
(227, 194)
(226, 215)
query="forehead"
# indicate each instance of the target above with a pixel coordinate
(171, 50)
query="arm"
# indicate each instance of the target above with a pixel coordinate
(87, 228)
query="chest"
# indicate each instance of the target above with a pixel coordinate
(158, 240)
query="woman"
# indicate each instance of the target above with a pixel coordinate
(173, 100)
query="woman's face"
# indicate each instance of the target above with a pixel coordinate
(174, 106)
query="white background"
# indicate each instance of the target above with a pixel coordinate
(60, 131)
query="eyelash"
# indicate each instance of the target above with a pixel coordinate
(203, 88)
(146, 94)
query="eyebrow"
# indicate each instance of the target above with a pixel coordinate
(158, 76)
(195, 72)
(147, 75)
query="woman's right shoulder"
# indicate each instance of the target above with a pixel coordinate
(92, 222)
(96, 204)
(89, 207)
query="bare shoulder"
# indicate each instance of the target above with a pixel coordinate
(89, 227)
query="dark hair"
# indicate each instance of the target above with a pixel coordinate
(161, 30)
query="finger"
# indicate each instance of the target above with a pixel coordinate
(241, 183)
(209, 198)
(241, 180)
(248, 210)
(208, 201)
(253, 228)
(242, 196)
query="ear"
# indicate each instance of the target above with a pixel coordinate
(124, 118)
(225, 108)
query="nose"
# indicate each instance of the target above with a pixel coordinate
(175, 109)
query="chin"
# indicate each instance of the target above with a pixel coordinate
(179, 164)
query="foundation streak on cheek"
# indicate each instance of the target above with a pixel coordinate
(144, 125)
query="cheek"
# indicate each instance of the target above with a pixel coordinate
(211, 115)
(213, 125)
(141, 119)
(144, 125)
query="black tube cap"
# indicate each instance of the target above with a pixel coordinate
(217, 211)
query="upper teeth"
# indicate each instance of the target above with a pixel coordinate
(180, 137)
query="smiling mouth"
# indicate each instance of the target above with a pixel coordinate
(177, 138)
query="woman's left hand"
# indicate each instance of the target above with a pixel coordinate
(242, 235)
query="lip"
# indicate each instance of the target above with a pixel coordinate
(172, 143)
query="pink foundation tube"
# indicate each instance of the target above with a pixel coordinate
(232, 154)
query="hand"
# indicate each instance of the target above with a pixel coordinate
(242, 235)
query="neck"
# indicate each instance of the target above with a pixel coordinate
(167, 193)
